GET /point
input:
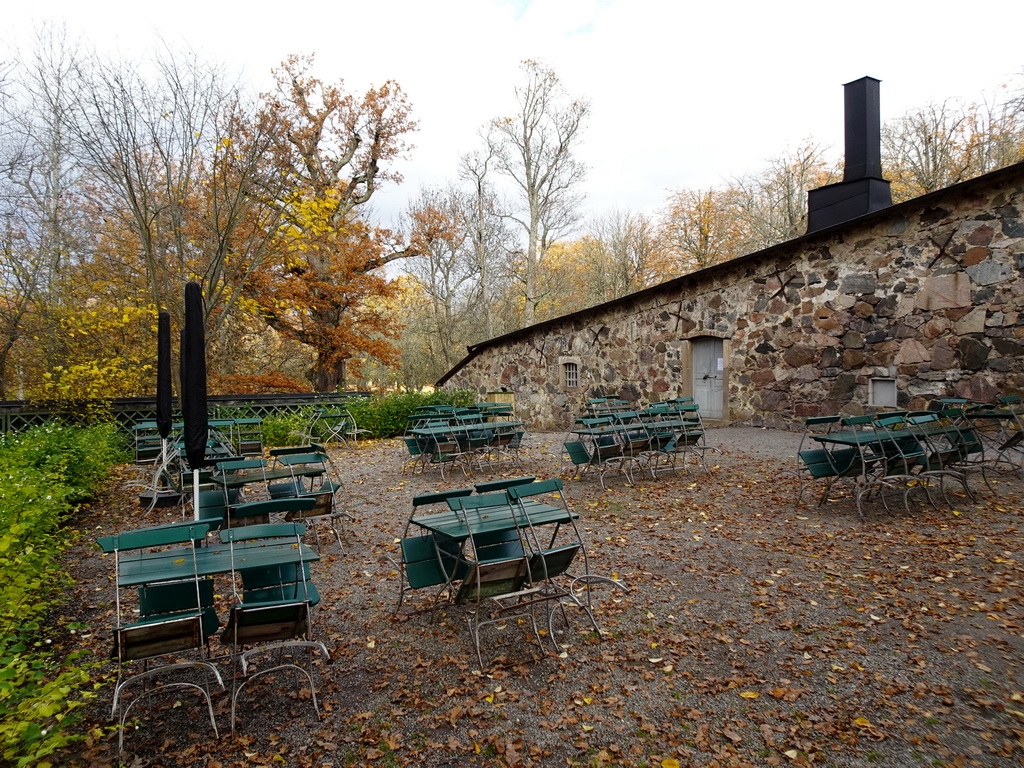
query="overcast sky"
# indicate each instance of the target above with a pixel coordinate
(683, 94)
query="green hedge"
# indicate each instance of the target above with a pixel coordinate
(382, 415)
(386, 415)
(44, 472)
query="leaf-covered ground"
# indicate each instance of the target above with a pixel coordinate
(755, 634)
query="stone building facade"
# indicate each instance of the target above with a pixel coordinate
(899, 307)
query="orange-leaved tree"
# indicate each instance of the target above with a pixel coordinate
(331, 149)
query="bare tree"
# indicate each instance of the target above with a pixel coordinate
(631, 256)
(43, 229)
(534, 148)
(774, 202)
(177, 160)
(446, 271)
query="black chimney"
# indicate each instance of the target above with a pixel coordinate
(862, 189)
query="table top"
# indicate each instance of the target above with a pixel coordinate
(652, 426)
(490, 519)
(172, 565)
(242, 479)
(449, 428)
(873, 436)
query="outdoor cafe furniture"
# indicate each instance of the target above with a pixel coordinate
(176, 616)
(330, 426)
(1000, 426)
(630, 440)
(174, 577)
(428, 560)
(889, 452)
(447, 445)
(272, 613)
(497, 552)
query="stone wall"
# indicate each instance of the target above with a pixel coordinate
(930, 292)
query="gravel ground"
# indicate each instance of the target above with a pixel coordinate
(754, 633)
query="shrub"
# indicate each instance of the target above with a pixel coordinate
(43, 472)
(283, 428)
(386, 415)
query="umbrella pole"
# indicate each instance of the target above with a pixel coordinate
(195, 493)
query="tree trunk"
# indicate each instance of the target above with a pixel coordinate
(327, 378)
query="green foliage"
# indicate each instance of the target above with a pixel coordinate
(386, 415)
(284, 428)
(43, 471)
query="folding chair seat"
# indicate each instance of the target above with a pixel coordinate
(161, 602)
(212, 506)
(260, 626)
(413, 446)
(607, 456)
(259, 512)
(904, 456)
(829, 465)
(496, 593)
(429, 561)
(426, 560)
(688, 438)
(278, 583)
(970, 448)
(814, 464)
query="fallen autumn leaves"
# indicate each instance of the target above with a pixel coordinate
(754, 635)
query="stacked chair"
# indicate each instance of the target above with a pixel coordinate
(507, 566)
(271, 614)
(175, 617)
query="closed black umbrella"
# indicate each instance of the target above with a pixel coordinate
(163, 375)
(193, 389)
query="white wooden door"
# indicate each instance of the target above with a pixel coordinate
(708, 376)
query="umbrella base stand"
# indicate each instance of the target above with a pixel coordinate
(168, 498)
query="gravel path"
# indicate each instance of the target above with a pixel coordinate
(754, 634)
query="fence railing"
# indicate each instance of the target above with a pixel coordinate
(16, 415)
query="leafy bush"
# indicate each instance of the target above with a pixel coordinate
(282, 428)
(43, 472)
(383, 415)
(386, 415)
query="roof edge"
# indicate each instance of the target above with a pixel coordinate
(867, 218)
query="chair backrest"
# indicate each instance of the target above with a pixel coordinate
(266, 531)
(552, 485)
(166, 600)
(160, 536)
(430, 560)
(235, 465)
(297, 459)
(441, 497)
(274, 575)
(293, 449)
(501, 485)
(476, 502)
